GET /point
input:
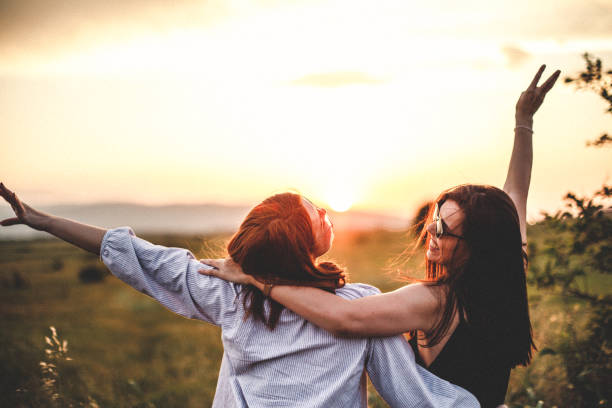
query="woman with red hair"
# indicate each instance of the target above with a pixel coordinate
(469, 318)
(278, 243)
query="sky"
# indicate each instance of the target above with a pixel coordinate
(374, 105)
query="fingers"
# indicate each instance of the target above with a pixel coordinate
(4, 192)
(536, 78)
(10, 221)
(550, 82)
(215, 263)
(12, 199)
(208, 271)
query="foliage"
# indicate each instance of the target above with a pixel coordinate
(127, 350)
(92, 274)
(57, 264)
(588, 359)
(595, 78)
(57, 352)
(59, 383)
(16, 281)
(581, 246)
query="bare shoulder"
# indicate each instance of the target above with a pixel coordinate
(422, 300)
(421, 291)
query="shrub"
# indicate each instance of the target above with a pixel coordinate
(57, 264)
(579, 250)
(92, 274)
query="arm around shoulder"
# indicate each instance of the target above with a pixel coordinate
(412, 307)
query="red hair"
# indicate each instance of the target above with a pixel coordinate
(275, 245)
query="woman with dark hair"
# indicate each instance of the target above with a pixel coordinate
(469, 318)
(272, 357)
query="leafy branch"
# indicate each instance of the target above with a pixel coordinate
(582, 244)
(595, 78)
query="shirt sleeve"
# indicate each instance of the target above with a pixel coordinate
(402, 382)
(170, 276)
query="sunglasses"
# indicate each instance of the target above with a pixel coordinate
(441, 227)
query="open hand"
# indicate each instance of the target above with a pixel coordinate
(24, 213)
(531, 99)
(226, 269)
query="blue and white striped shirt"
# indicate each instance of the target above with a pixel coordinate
(295, 365)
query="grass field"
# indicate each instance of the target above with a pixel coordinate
(128, 351)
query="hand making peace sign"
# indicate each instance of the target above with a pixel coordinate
(531, 99)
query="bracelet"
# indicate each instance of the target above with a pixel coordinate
(267, 289)
(524, 127)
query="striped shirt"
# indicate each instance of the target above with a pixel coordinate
(295, 365)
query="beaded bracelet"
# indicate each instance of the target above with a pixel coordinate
(524, 127)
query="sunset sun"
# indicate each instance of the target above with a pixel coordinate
(340, 201)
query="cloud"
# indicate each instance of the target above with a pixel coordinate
(43, 33)
(336, 79)
(514, 55)
(592, 18)
(47, 27)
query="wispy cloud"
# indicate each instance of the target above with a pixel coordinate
(337, 79)
(514, 55)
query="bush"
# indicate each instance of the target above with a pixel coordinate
(580, 249)
(92, 274)
(15, 281)
(57, 264)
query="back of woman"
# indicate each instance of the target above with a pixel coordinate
(465, 361)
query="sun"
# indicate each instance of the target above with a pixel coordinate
(341, 191)
(340, 202)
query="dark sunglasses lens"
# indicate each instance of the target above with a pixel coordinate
(438, 221)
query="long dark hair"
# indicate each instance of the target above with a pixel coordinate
(488, 286)
(275, 245)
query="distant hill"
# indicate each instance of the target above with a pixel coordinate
(182, 218)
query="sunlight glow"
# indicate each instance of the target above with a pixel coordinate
(340, 193)
(340, 203)
(348, 101)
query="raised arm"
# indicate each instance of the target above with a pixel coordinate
(519, 170)
(412, 307)
(84, 236)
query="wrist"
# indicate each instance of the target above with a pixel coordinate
(524, 121)
(259, 285)
(43, 222)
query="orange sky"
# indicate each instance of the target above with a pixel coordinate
(376, 104)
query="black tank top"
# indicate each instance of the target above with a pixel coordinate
(464, 361)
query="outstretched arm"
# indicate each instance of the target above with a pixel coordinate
(169, 275)
(412, 307)
(519, 170)
(84, 236)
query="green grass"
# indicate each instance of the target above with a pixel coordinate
(128, 351)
